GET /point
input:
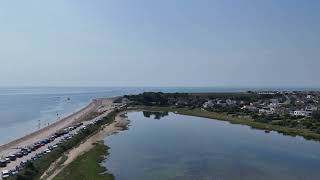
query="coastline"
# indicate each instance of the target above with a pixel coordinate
(38, 135)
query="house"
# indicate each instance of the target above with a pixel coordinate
(311, 108)
(274, 101)
(231, 102)
(267, 110)
(181, 103)
(301, 113)
(208, 104)
(250, 108)
(309, 96)
(221, 103)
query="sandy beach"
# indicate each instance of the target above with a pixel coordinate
(94, 108)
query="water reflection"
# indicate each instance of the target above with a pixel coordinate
(188, 148)
(155, 114)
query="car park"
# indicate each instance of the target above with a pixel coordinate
(64, 135)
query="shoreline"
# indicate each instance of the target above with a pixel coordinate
(78, 116)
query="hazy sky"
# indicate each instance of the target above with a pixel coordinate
(160, 43)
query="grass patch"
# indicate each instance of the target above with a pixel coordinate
(56, 166)
(86, 166)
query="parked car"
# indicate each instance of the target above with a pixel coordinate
(7, 159)
(19, 154)
(5, 174)
(23, 163)
(12, 157)
(3, 163)
(13, 172)
(38, 155)
(24, 153)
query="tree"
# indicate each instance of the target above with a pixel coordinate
(316, 115)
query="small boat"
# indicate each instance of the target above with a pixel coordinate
(267, 131)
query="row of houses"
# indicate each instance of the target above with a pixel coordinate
(294, 104)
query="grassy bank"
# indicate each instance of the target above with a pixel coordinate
(86, 166)
(307, 134)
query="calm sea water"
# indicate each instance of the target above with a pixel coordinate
(171, 146)
(22, 108)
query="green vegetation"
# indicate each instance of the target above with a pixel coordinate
(186, 99)
(316, 115)
(86, 166)
(58, 165)
(34, 170)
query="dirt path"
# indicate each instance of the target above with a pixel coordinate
(117, 125)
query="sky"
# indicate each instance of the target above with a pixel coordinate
(212, 43)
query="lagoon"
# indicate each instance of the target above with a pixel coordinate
(171, 146)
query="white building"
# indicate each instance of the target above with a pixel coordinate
(301, 113)
(250, 108)
(267, 110)
(208, 104)
(311, 108)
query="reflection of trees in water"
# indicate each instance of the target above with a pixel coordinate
(157, 115)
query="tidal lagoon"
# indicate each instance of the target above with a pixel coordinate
(171, 146)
